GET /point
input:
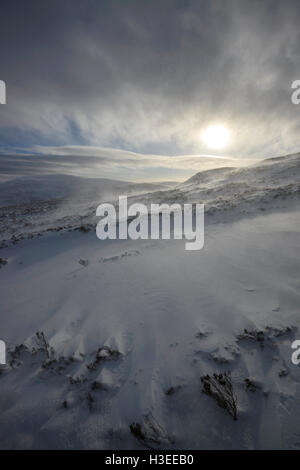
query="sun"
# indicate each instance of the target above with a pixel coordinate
(216, 137)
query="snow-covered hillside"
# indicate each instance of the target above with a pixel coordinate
(263, 185)
(34, 204)
(108, 341)
(28, 189)
(66, 202)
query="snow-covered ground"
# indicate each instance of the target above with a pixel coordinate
(128, 328)
(33, 204)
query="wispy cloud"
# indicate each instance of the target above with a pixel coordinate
(91, 161)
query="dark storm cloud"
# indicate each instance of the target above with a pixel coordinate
(148, 76)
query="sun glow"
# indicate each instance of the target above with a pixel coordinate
(216, 136)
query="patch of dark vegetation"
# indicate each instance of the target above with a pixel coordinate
(136, 430)
(43, 345)
(83, 262)
(130, 253)
(49, 364)
(254, 335)
(149, 433)
(83, 229)
(283, 373)
(96, 385)
(126, 254)
(90, 401)
(219, 387)
(3, 262)
(173, 390)
(219, 359)
(40, 346)
(77, 380)
(103, 354)
(278, 332)
(58, 364)
(250, 386)
(266, 336)
(15, 355)
(202, 334)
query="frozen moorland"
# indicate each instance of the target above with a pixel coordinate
(142, 344)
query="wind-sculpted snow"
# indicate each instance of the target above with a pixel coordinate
(125, 344)
(60, 203)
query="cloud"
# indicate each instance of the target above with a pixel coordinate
(91, 161)
(137, 76)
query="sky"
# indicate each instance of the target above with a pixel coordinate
(112, 78)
